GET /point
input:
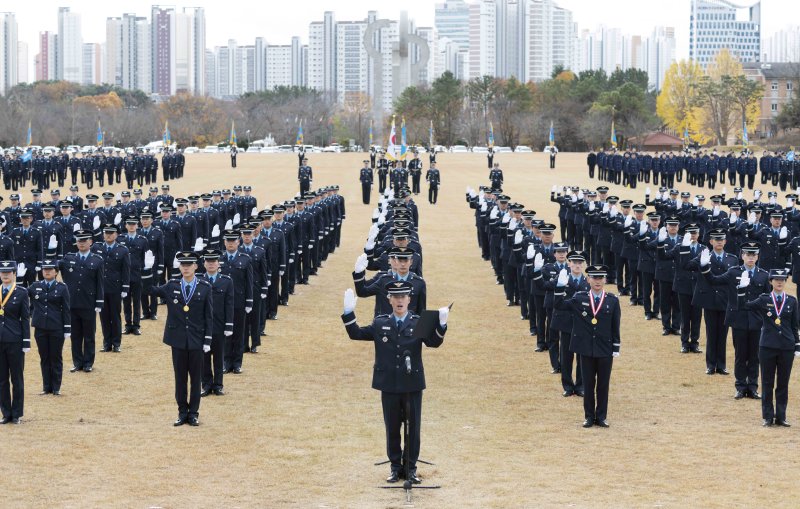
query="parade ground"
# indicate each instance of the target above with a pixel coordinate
(301, 427)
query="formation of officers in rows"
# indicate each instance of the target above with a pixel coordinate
(396, 173)
(117, 259)
(698, 167)
(683, 262)
(43, 170)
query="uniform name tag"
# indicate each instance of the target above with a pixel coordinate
(386, 328)
(585, 304)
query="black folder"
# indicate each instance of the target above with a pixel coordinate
(426, 325)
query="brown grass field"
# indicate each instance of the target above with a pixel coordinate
(302, 427)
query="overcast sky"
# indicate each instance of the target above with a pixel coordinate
(278, 22)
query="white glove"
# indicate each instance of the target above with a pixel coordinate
(647, 191)
(124, 294)
(95, 223)
(773, 201)
(484, 206)
(783, 233)
(642, 228)
(26, 350)
(206, 348)
(518, 237)
(789, 203)
(472, 194)
(468, 189)
(228, 333)
(248, 310)
(751, 218)
(494, 213)
(563, 278)
(254, 211)
(580, 195)
(52, 243)
(482, 195)
(573, 198)
(613, 211)
(696, 202)
(553, 189)
(733, 218)
(376, 213)
(175, 263)
(215, 231)
(797, 354)
(662, 234)
(538, 262)
(615, 354)
(531, 252)
(628, 220)
(715, 211)
(591, 206)
(67, 335)
(349, 301)
(149, 259)
(443, 314)
(373, 231)
(236, 219)
(77, 226)
(605, 208)
(739, 195)
(198, 244)
(724, 191)
(281, 272)
(744, 281)
(118, 197)
(229, 225)
(506, 218)
(118, 218)
(97, 310)
(291, 260)
(160, 272)
(512, 225)
(757, 194)
(21, 270)
(361, 263)
(705, 257)
(263, 295)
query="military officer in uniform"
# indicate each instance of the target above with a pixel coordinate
(50, 312)
(434, 180)
(116, 284)
(222, 300)
(137, 246)
(238, 266)
(779, 343)
(595, 338)
(28, 248)
(155, 241)
(188, 330)
(400, 258)
(398, 371)
(15, 342)
(365, 177)
(82, 272)
(415, 170)
(305, 175)
(261, 282)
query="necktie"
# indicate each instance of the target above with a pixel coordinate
(751, 273)
(212, 278)
(596, 300)
(5, 292)
(230, 257)
(779, 299)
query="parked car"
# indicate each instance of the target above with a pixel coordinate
(524, 149)
(333, 147)
(480, 150)
(269, 150)
(210, 149)
(502, 150)
(253, 150)
(459, 149)
(191, 150)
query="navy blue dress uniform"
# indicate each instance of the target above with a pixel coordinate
(28, 248)
(415, 170)
(155, 241)
(261, 282)
(378, 284)
(239, 267)
(83, 275)
(630, 252)
(214, 360)
(772, 245)
(188, 330)
(137, 246)
(665, 275)
(745, 324)
(89, 217)
(434, 178)
(187, 222)
(50, 315)
(596, 339)
(278, 259)
(684, 285)
(305, 175)
(116, 285)
(172, 238)
(647, 267)
(48, 228)
(398, 379)
(383, 172)
(365, 177)
(539, 317)
(713, 298)
(15, 342)
(778, 345)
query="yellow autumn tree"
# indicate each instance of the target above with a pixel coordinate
(109, 101)
(675, 104)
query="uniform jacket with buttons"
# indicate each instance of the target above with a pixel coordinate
(187, 330)
(377, 287)
(240, 270)
(15, 324)
(116, 267)
(736, 317)
(592, 340)
(712, 296)
(222, 301)
(50, 307)
(781, 336)
(84, 279)
(28, 246)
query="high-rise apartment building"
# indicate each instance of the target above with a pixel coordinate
(9, 52)
(718, 24)
(69, 63)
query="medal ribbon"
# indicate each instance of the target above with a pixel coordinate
(188, 296)
(778, 310)
(8, 295)
(599, 304)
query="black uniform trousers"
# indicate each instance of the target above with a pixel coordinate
(433, 193)
(110, 320)
(566, 364)
(187, 364)
(50, 344)
(745, 367)
(213, 363)
(691, 316)
(773, 361)
(234, 345)
(381, 183)
(393, 413)
(510, 283)
(133, 304)
(553, 342)
(12, 366)
(365, 191)
(596, 373)
(252, 329)
(84, 325)
(149, 301)
(648, 283)
(716, 338)
(540, 320)
(415, 182)
(273, 295)
(670, 307)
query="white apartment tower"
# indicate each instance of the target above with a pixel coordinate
(69, 63)
(9, 52)
(718, 24)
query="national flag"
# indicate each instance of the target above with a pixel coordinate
(613, 135)
(232, 139)
(370, 132)
(552, 135)
(491, 135)
(430, 136)
(403, 146)
(391, 146)
(27, 156)
(686, 136)
(299, 140)
(29, 138)
(167, 138)
(99, 140)
(745, 139)
(790, 155)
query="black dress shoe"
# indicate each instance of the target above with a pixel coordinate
(254, 349)
(555, 371)
(154, 317)
(684, 349)
(5, 420)
(676, 332)
(87, 369)
(723, 371)
(180, 421)
(782, 422)
(754, 395)
(588, 423)
(105, 349)
(665, 332)
(237, 371)
(56, 393)
(767, 422)
(225, 371)
(193, 421)
(43, 393)
(115, 349)
(136, 331)
(602, 424)
(538, 348)
(509, 303)
(15, 420)
(648, 316)
(412, 476)
(710, 371)
(75, 368)
(393, 477)
(579, 393)
(567, 394)
(205, 392)
(127, 329)
(739, 395)
(696, 349)
(219, 392)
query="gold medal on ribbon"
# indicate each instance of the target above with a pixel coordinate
(186, 308)
(594, 321)
(777, 321)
